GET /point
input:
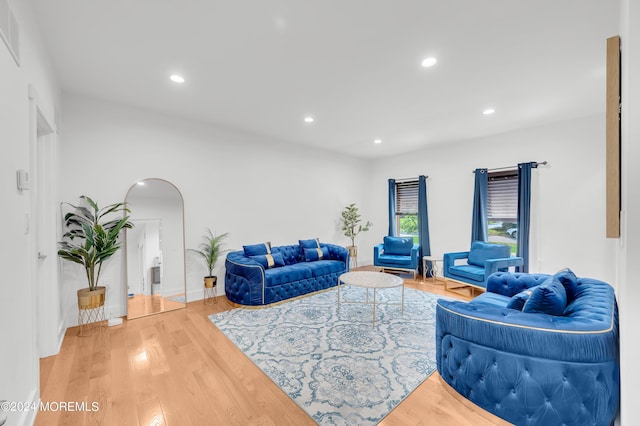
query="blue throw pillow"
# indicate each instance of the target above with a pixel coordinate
(269, 261)
(257, 249)
(399, 246)
(305, 244)
(549, 297)
(518, 301)
(570, 282)
(313, 254)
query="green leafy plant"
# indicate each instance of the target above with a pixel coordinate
(351, 223)
(211, 249)
(91, 238)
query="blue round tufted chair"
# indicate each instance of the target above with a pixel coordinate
(532, 368)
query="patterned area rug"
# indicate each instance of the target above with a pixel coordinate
(335, 365)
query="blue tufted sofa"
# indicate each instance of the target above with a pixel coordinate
(250, 283)
(529, 367)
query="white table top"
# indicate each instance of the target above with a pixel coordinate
(432, 258)
(371, 279)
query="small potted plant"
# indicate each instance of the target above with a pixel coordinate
(210, 250)
(90, 240)
(351, 227)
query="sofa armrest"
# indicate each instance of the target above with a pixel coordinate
(237, 263)
(415, 254)
(449, 260)
(243, 280)
(337, 252)
(494, 265)
(378, 250)
(530, 334)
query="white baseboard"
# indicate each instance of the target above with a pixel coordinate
(194, 295)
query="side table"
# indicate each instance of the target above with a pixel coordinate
(434, 267)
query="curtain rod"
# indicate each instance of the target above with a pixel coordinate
(497, 169)
(409, 179)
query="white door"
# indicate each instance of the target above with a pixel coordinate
(44, 214)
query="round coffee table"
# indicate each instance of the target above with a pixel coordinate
(370, 279)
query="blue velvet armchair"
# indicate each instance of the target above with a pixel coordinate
(473, 267)
(397, 253)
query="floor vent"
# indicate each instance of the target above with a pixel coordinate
(10, 30)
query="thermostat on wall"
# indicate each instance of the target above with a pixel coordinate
(22, 177)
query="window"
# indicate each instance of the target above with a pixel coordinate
(502, 208)
(407, 209)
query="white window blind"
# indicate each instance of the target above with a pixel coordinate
(407, 197)
(502, 200)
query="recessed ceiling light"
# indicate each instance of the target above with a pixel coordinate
(309, 119)
(488, 111)
(429, 62)
(377, 141)
(177, 78)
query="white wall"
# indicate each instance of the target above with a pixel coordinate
(629, 266)
(252, 187)
(569, 216)
(19, 370)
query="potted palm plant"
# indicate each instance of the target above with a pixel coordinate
(90, 240)
(210, 250)
(351, 227)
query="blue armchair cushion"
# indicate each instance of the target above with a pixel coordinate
(314, 254)
(400, 246)
(257, 249)
(470, 272)
(268, 261)
(517, 302)
(549, 298)
(570, 282)
(306, 244)
(481, 251)
(395, 260)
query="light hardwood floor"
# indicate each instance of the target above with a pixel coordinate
(176, 368)
(141, 305)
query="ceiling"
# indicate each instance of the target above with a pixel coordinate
(261, 66)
